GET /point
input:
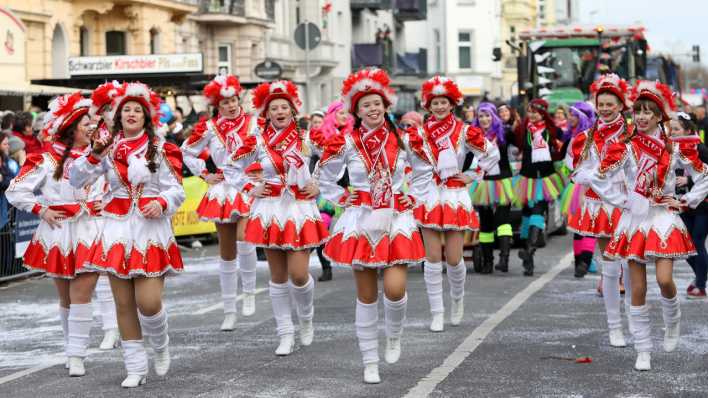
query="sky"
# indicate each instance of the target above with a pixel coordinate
(672, 26)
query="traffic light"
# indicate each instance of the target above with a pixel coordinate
(696, 53)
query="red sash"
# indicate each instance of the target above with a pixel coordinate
(653, 161)
(123, 148)
(441, 134)
(379, 153)
(229, 131)
(608, 133)
(284, 147)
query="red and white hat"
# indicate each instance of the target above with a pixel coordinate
(103, 95)
(267, 92)
(657, 92)
(222, 87)
(63, 111)
(613, 84)
(440, 86)
(364, 82)
(139, 92)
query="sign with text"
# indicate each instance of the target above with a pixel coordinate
(136, 64)
(25, 225)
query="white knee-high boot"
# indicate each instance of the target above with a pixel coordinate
(305, 308)
(80, 321)
(671, 311)
(228, 278)
(432, 273)
(456, 277)
(282, 311)
(104, 297)
(611, 297)
(627, 295)
(107, 308)
(366, 321)
(136, 363)
(155, 333)
(642, 336)
(64, 319)
(395, 317)
(248, 262)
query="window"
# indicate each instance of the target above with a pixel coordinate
(438, 50)
(115, 42)
(224, 64)
(464, 44)
(154, 41)
(83, 41)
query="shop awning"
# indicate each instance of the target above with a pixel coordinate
(36, 89)
(177, 83)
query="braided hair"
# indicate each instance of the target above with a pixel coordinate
(66, 137)
(149, 130)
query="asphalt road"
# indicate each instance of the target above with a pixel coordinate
(512, 342)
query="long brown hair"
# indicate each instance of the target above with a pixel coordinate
(66, 137)
(646, 104)
(149, 130)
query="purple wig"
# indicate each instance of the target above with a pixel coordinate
(586, 119)
(497, 127)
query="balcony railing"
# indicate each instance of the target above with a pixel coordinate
(364, 55)
(371, 4)
(410, 10)
(231, 7)
(412, 63)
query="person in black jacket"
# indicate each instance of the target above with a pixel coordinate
(683, 129)
(494, 194)
(8, 170)
(537, 138)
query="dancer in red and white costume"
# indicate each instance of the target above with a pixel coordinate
(136, 245)
(101, 100)
(377, 231)
(650, 229)
(284, 218)
(598, 217)
(446, 211)
(61, 244)
(218, 138)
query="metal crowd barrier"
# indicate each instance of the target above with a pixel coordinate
(10, 267)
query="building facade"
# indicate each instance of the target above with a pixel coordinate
(516, 16)
(460, 38)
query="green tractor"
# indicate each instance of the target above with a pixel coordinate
(560, 63)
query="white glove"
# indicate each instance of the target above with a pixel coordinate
(582, 177)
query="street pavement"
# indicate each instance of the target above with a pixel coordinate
(519, 338)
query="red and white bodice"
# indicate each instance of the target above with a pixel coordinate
(378, 229)
(648, 227)
(129, 244)
(286, 219)
(597, 217)
(441, 148)
(62, 251)
(217, 138)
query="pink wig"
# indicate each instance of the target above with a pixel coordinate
(329, 126)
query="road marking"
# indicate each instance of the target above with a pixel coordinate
(60, 359)
(219, 306)
(436, 376)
